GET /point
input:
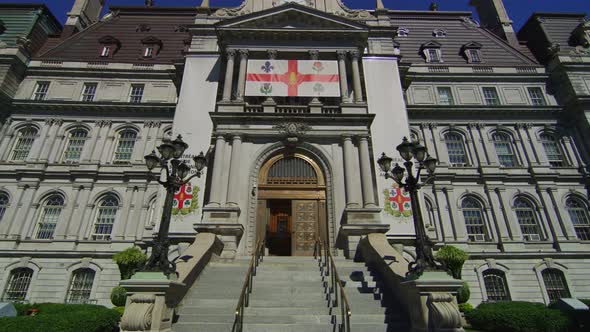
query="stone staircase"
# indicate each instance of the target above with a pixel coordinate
(373, 307)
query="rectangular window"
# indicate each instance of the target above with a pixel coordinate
(537, 97)
(149, 52)
(89, 91)
(106, 52)
(445, 96)
(136, 93)
(490, 96)
(474, 56)
(433, 55)
(41, 91)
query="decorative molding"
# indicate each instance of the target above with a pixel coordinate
(143, 28)
(444, 313)
(138, 314)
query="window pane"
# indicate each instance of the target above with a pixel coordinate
(503, 145)
(433, 55)
(578, 212)
(552, 150)
(555, 284)
(75, 145)
(496, 286)
(490, 96)
(3, 204)
(474, 56)
(527, 219)
(105, 218)
(18, 285)
(81, 286)
(474, 221)
(456, 149)
(136, 93)
(41, 90)
(89, 91)
(24, 142)
(537, 97)
(125, 146)
(445, 96)
(49, 217)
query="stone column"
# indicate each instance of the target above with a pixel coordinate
(478, 148)
(78, 217)
(443, 158)
(11, 213)
(570, 152)
(447, 231)
(343, 79)
(509, 219)
(356, 77)
(135, 214)
(234, 171)
(217, 174)
(242, 75)
(489, 148)
(523, 148)
(39, 143)
(536, 147)
(351, 199)
(50, 141)
(366, 174)
(556, 224)
(67, 215)
(457, 221)
(229, 75)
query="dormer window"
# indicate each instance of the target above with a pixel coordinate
(472, 51)
(403, 32)
(439, 33)
(151, 47)
(432, 52)
(109, 45)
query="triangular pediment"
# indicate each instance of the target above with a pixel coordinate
(291, 16)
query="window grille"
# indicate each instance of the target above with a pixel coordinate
(490, 96)
(4, 200)
(49, 217)
(555, 284)
(76, 141)
(456, 149)
(18, 284)
(496, 286)
(552, 150)
(537, 97)
(474, 56)
(578, 212)
(504, 149)
(24, 142)
(89, 92)
(106, 52)
(445, 96)
(527, 219)
(136, 93)
(474, 221)
(149, 52)
(105, 218)
(433, 55)
(125, 146)
(292, 171)
(81, 286)
(41, 91)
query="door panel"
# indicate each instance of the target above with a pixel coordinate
(280, 228)
(305, 227)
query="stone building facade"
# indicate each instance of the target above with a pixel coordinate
(511, 186)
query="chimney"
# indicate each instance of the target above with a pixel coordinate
(493, 16)
(83, 14)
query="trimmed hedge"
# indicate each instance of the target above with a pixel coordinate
(118, 296)
(55, 317)
(517, 317)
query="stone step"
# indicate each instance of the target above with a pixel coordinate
(285, 303)
(309, 319)
(205, 327)
(287, 328)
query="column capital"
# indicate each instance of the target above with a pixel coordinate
(363, 138)
(346, 137)
(341, 54)
(355, 54)
(230, 53)
(272, 54)
(314, 54)
(236, 136)
(244, 54)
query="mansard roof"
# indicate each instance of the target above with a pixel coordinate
(460, 28)
(131, 26)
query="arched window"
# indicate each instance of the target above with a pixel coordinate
(496, 285)
(49, 217)
(578, 212)
(552, 150)
(504, 149)
(527, 219)
(474, 220)
(81, 286)
(4, 200)
(25, 138)
(292, 170)
(76, 140)
(151, 219)
(18, 284)
(456, 148)
(555, 284)
(106, 215)
(125, 145)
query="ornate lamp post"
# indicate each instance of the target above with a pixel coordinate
(408, 151)
(176, 172)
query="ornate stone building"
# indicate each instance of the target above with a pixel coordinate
(511, 186)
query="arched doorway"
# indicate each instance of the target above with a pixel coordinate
(291, 210)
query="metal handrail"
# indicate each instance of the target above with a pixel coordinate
(243, 302)
(326, 260)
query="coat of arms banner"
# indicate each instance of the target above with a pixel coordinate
(293, 78)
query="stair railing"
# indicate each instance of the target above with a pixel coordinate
(243, 302)
(324, 256)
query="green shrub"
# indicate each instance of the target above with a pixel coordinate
(465, 307)
(129, 261)
(453, 258)
(517, 317)
(53, 317)
(120, 310)
(463, 293)
(118, 296)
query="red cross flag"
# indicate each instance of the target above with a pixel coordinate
(399, 200)
(293, 78)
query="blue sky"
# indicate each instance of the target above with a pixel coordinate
(519, 10)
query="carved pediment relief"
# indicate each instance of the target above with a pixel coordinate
(580, 38)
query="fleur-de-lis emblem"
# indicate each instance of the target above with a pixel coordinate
(268, 67)
(266, 88)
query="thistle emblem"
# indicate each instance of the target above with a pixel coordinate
(318, 88)
(318, 66)
(266, 88)
(268, 67)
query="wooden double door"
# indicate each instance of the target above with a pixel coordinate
(292, 226)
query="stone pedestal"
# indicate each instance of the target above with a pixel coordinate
(151, 299)
(223, 222)
(359, 222)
